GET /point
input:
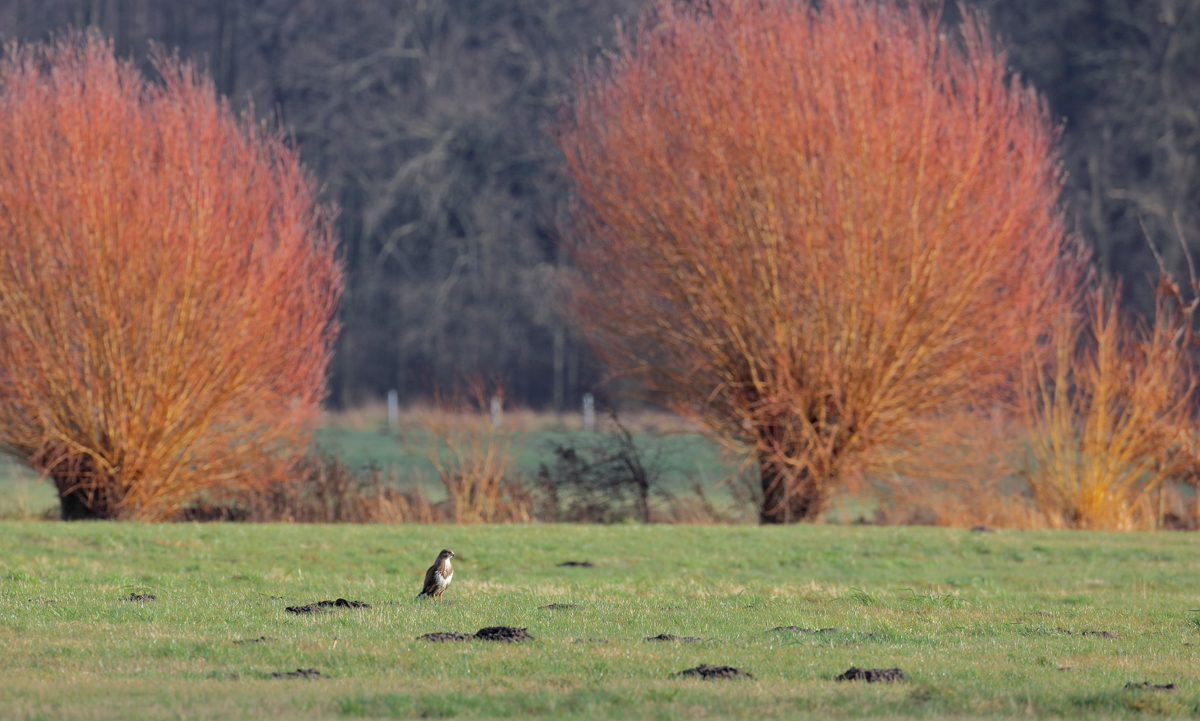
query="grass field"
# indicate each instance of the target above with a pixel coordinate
(681, 459)
(984, 625)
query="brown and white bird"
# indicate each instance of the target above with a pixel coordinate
(437, 578)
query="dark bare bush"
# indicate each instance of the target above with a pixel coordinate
(608, 482)
(615, 480)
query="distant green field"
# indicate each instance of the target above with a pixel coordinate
(21, 494)
(681, 459)
(994, 625)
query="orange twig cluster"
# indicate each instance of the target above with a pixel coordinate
(475, 459)
(1112, 414)
(167, 284)
(808, 227)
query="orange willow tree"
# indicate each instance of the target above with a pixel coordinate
(807, 229)
(167, 284)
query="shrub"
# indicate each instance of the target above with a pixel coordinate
(809, 228)
(609, 481)
(1111, 414)
(167, 284)
(475, 460)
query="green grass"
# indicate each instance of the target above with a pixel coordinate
(22, 495)
(682, 459)
(979, 622)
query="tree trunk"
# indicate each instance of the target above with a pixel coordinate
(784, 502)
(77, 503)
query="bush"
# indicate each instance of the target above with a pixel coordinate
(167, 284)
(1111, 413)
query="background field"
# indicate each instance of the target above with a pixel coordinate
(983, 624)
(682, 456)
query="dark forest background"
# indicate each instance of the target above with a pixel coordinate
(426, 121)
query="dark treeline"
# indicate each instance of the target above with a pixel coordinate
(425, 122)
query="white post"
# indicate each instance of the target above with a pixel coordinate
(589, 413)
(393, 410)
(497, 412)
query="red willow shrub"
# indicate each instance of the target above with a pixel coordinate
(167, 284)
(1112, 413)
(807, 229)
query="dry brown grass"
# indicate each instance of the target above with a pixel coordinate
(323, 490)
(956, 469)
(475, 460)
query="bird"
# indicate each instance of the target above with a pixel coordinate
(437, 578)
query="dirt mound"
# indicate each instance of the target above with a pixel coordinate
(321, 606)
(1101, 634)
(672, 637)
(445, 636)
(871, 675)
(142, 597)
(260, 639)
(706, 672)
(503, 633)
(798, 629)
(1147, 686)
(559, 606)
(578, 564)
(299, 673)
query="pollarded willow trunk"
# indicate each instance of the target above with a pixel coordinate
(788, 496)
(80, 500)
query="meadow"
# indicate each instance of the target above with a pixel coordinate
(680, 456)
(679, 453)
(994, 624)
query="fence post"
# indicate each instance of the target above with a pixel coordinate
(497, 412)
(393, 406)
(589, 413)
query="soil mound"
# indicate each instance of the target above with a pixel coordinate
(445, 636)
(871, 675)
(1101, 634)
(672, 637)
(511, 634)
(299, 673)
(559, 606)
(798, 629)
(240, 641)
(141, 597)
(321, 606)
(578, 564)
(1147, 686)
(705, 671)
